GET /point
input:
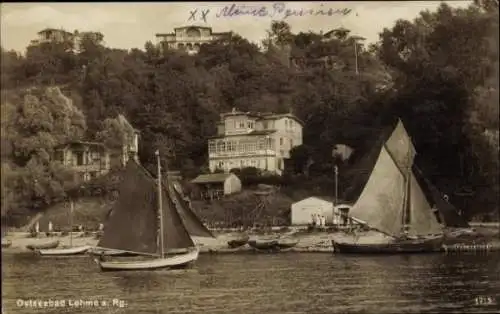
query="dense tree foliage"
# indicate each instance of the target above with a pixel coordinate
(439, 73)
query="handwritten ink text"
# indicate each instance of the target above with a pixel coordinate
(276, 10)
(204, 13)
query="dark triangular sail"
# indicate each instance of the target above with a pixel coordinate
(192, 223)
(175, 234)
(448, 212)
(133, 221)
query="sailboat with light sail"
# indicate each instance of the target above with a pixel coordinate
(393, 204)
(52, 249)
(145, 221)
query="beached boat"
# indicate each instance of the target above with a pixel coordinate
(43, 245)
(264, 244)
(145, 221)
(69, 250)
(64, 251)
(6, 243)
(392, 202)
(287, 243)
(238, 242)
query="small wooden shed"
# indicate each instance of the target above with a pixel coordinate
(216, 185)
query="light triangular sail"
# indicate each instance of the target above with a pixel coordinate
(422, 219)
(392, 195)
(380, 204)
(401, 149)
(133, 221)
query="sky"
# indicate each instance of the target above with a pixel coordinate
(129, 25)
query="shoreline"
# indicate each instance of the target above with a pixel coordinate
(309, 242)
(319, 242)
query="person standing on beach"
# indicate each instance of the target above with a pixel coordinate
(50, 226)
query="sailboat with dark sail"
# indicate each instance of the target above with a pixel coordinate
(393, 204)
(144, 221)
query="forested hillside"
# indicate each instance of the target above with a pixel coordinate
(438, 73)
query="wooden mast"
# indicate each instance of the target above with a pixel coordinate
(71, 208)
(407, 190)
(157, 153)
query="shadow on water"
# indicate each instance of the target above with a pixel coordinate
(280, 283)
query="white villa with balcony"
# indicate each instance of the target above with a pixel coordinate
(189, 38)
(260, 140)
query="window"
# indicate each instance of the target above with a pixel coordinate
(79, 158)
(250, 124)
(242, 124)
(286, 124)
(291, 143)
(59, 156)
(211, 147)
(265, 124)
(280, 164)
(281, 141)
(252, 146)
(262, 143)
(291, 124)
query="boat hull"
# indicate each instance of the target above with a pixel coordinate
(43, 246)
(237, 242)
(64, 251)
(410, 246)
(283, 245)
(6, 244)
(102, 252)
(175, 261)
(264, 245)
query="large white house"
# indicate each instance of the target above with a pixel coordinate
(260, 140)
(189, 38)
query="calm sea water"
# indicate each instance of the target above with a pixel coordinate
(280, 283)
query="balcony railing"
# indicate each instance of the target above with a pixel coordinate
(261, 152)
(191, 39)
(91, 167)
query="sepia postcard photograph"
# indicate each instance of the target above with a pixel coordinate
(250, 157)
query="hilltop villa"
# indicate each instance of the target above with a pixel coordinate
(189, 38)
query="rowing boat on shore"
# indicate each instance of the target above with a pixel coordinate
(43, 245)
(6, 243)
(65, 251)
(264, 244)
(238, 242)
(287, 243)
